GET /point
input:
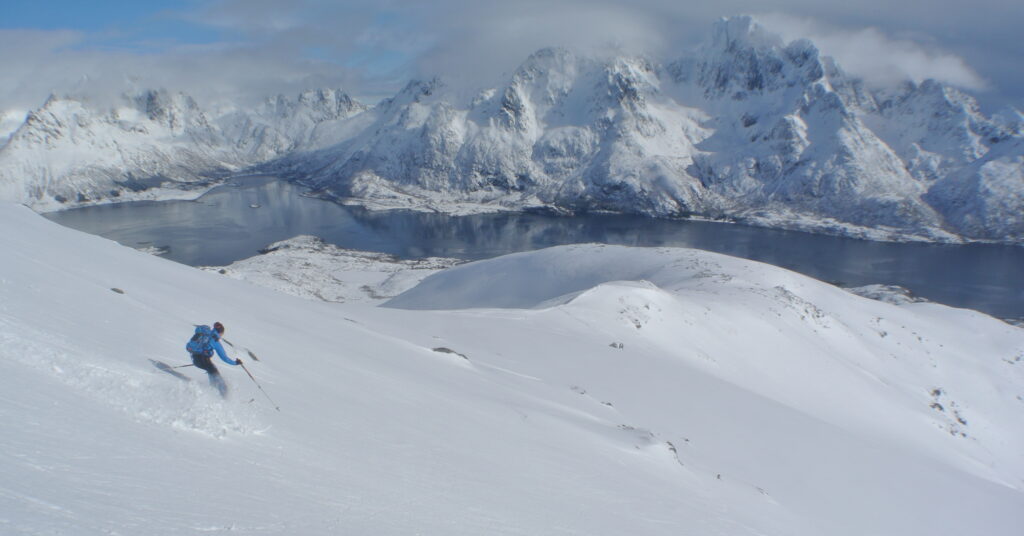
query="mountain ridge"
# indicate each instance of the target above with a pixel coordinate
(748, 128)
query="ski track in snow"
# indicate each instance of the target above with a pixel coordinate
(156, 397)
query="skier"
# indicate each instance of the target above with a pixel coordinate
(204, 343)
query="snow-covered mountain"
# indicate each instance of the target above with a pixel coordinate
(281, 124)
(789, 135)
(565, 131)
(586, 389)
(74, 151)
(745, 127)
(69, 151)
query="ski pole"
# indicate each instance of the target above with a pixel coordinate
(258, 385)
(183, 366)
(252, 355)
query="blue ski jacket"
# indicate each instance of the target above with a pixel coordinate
(215, 344)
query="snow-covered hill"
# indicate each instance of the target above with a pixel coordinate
(746, 127)
(308, 267)
(575, 390)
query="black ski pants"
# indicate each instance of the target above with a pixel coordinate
(204, 362)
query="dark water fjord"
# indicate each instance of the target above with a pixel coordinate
(223, 226)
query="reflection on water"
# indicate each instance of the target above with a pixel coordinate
(223, 226)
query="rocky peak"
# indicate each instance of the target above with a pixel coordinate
(176, 111)
(941, 99)
(630, 79)
(330, 103)
(732, 34)
(414, 91)
(744, 58)
(544, 61)
(941, 119)
(317, 105)
(541, 82)
(555, 83)
(53, 121)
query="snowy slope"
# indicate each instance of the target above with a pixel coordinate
(575, 390)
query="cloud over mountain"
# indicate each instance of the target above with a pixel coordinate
(231, 48)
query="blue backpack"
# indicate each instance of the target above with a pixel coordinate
(201, 343)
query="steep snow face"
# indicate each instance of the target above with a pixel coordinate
(788, 136)
(644, 391)
(971, 164)
(795, 133)
(984, 198)
(937, 129)
(68, 151)
(565, 129)
(743, 58)
(413, 140)
(282, 124)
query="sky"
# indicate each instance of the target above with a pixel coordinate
(244, 50)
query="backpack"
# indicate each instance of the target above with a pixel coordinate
(201, 343)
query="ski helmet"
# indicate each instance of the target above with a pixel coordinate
(218, 327)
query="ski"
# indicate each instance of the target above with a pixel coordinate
(169, 369)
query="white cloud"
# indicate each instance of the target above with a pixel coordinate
(371, 47)
(39, 63)
(881, 60)
(482, 42)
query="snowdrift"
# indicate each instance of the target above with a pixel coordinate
(575, 390)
